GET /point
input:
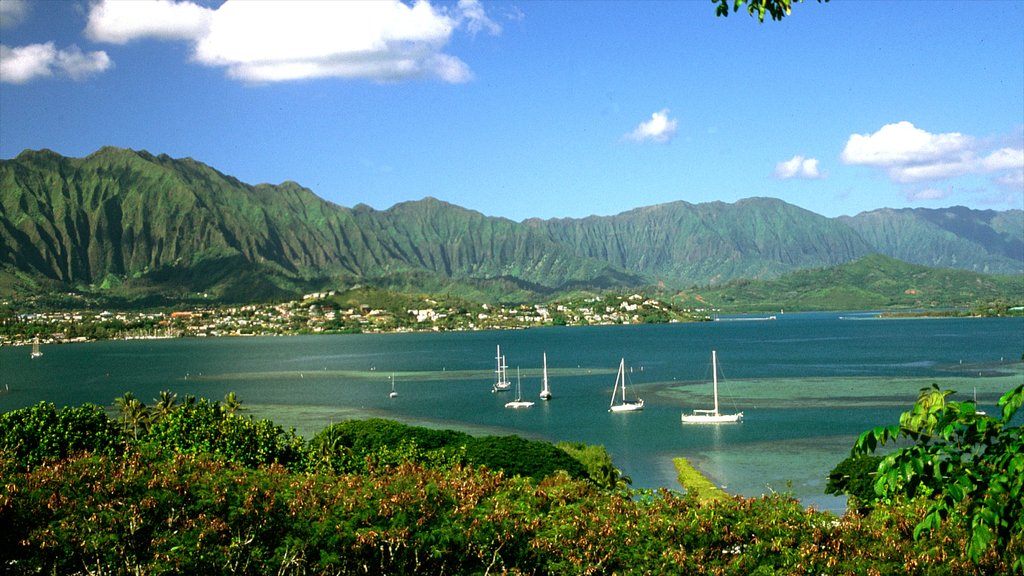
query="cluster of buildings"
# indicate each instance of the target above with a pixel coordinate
(324, 313)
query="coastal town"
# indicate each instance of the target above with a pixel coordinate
(332, 312)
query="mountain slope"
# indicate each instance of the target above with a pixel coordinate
(687, 244)
(980, 240)
(152, 220)
(148, 225)
(872, 282)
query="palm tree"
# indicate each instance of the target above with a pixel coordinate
(134, 413)
(232, 404)
(166, 402)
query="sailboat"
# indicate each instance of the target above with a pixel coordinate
(393, 393)
(545, 391)
(620, 383)
(712, 416)
(518, 402)
(501, 383)
(35, 349)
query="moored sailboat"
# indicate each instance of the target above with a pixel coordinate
(620, 384)
(518, 402)
(35, 348)
(545, 390)
(501, 382)
(712, 416)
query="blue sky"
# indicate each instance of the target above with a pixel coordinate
(541, 109)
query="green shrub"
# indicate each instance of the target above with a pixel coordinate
(42, 433)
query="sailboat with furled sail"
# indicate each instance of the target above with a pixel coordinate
(620, 384)
(501, 382)
(712, 416)
(519, 402)
(545, 390)
(35, 349)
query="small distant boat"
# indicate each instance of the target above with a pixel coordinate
(393, 393)
(545, 391)
(620, 384)
(712, 416)
(976, 411)
(518, 402)
(35, 349)
(501, 382)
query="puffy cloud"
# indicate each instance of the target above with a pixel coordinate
(22, 64)
(798, 167)
(122, 22)
(660, 128)
(902, 144)
(909, 154)
(13, 13)
(1004, 159)
(279, 41)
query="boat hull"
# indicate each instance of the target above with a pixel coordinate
(628, 407)
(518, 404)
(711, 418)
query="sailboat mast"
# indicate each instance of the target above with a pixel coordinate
(545, 372)
(714, 377)
(622, 373)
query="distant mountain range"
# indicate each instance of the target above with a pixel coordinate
(136, 224)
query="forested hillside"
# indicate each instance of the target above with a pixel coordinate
(136, 224)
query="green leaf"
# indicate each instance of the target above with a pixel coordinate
(1011, 402)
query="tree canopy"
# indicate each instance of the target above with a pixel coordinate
(777, 9)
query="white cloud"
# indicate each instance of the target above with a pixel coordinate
(928, 194)
(909, 154)
(279, 41)
(1004, 159)
(122, 22)
(477, 21)
(902, 144)
(13, 13)
(22, 64)
(660, 128)
(798, 167)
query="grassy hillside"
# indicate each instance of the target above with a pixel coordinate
(134, 227)
(873, 282)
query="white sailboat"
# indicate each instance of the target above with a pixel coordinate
(712, 416)
(501, 382)
(35, 349)
(518, 402)
(545, 391)
(620, 384)
(393, 393)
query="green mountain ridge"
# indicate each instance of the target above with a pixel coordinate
(873, 282)
(142, 225)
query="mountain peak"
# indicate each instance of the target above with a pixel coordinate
(163, 224)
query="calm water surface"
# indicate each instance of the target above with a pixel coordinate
(807, 383)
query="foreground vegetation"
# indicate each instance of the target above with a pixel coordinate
(197, 487)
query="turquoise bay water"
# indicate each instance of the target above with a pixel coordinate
(807, 383)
